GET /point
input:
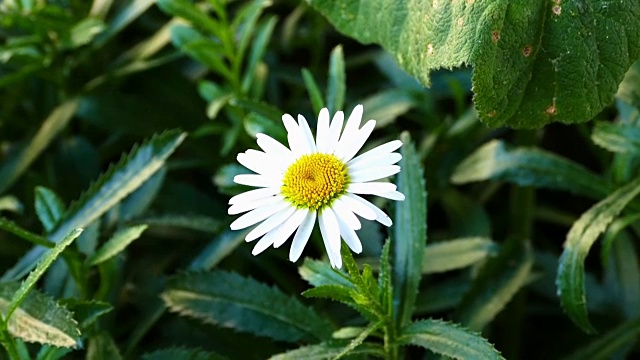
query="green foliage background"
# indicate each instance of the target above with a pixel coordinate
(119, 126)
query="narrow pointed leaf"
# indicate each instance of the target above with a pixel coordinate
(13, 228)
(336, 85)
(329, 350)
(498, 281)
(448, 339)
(534, 61)
(317, 102)
(319, 273)
(409, 232)
(608, 344)
(182, 353)
(102, 346)
(584, 232)
(220, 247)
(263, 34)
(19, 161)
(39, 318)
(456, 254)
(228, 299)
(118, 242)
(49, 207)
(529, 167)
(617, 137)
(111, 187)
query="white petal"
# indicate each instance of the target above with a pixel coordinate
(270, 224)
(393, 195)
(257, 180)
(348, 148)
(371, 188)
(330, 231)
(302, 236)
(378, 160)
(273, 147)
(374, 173)
(250, 205)
(358, 207)
(307, 136)
(295, 136)
(260, 162)
(377, 151)
(343, 212)
(287, 228)
(256, 215)
(334, 132)
(263, 244)
(353, 123)
(350, 236)
(380, 216)
(255, 194)
(322, 131)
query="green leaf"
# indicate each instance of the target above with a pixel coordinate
(118, 242)
(230, 300)
(49, 207)
(319, 273)
(442, 296)
(456, 254)
(617, 137)
(384, 278)
(13, 228)
(111, 187)
(336, 84)
(182, 354)
(11, 203)
(43, 264)
(262, 37)
(83, 33)
(139, 201)
(255, 123)
(127, 14)
(39, 318)
(534, 62)
(357, 341)
(606, 345)
(19, 161)
(188, 11)
(387, 105)
(220, 247)
(314, 91)
(102, 347)
(328, 350)
(529, 167)
(244, 23)
(448, 339)
(583, 233)
(216, 96)
(498, 281)
(333, 292)
(204, 50)
(409, 232)
(86, 312)
(202, 223)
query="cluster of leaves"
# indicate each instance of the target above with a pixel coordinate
(133, 257)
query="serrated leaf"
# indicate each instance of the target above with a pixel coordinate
(534, 61)
(529, 167)
(86, 312)
(182, 354)
(118, 242)
(456, 254)
(318, 273)
(448, 339)
(328, 350)
(606, 345)
(336, 83)
(333, 292)
(409, 232)
(583, 233)
(49, 207)
(43, 264)
(111, 187)
(138, 201)
(230, 300)
(202, 223)
(20, 160)
(498, 281)
(39, 318)
(618, 138)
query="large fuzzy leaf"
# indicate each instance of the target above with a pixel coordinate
(583, 233)
(111, 187)
(448, 339)
(534, 61)
(39, 318)
(409, 232)
(230, 300)
(528, 167)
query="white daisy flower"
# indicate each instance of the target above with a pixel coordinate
(320, 178)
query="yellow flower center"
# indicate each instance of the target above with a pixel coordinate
(314, 180)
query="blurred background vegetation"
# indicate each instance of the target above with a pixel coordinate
(82, 82)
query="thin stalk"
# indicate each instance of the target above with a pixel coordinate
(8, 343)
